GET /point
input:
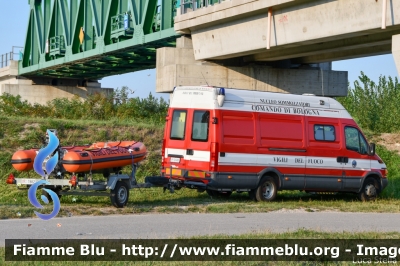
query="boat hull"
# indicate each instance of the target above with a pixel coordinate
(111, 156)
(78, 159)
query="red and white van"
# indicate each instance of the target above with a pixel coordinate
(224, 140)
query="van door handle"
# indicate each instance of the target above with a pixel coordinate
(341, 159)
(189, 152)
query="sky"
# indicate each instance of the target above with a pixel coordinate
(14, 16)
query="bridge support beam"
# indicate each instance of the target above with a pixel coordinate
(177, 66)
(43, 90)
(396, 51)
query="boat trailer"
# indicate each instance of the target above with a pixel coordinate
(117, 186)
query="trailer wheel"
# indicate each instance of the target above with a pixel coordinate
(120, 194)
(370, 190)
(266, 190)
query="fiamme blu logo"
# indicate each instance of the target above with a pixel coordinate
(44, 169)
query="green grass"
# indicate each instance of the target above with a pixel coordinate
(189, 201)
(24, 133)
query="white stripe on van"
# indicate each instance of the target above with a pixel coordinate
(202, 156)
(248, 159)
(293, 161)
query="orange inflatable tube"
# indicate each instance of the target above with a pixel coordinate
(103, 155)
(23, 160)
(77, 159)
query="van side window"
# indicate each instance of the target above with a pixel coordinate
(200, 125)
(355, 141)
(178, 125)
(324, 132)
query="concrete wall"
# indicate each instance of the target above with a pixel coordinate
(13, 84)
(9, 71)
(41, 94)
(177, 66)
(396, 51)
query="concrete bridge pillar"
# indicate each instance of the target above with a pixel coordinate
(42, 90)
(177, 67)
(396, 51)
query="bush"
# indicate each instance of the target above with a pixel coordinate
(95, 107)
(374, 106)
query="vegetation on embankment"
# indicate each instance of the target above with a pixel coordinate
(23, 126)
(116, 108)
(375, 106)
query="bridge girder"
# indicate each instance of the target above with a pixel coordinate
(77, 38)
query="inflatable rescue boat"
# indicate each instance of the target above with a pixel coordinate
(77, 159)
(23, 160)
(104, 155)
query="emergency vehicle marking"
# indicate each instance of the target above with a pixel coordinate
(294, 161)
(281, 102)
(281, 159)
(298, 160)
(252, 102)
(315, 161)
(285, 110)
(246, 159)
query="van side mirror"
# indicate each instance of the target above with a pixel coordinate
(371, 149)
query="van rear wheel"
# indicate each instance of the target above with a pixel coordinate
(370, 190)
(266, 190)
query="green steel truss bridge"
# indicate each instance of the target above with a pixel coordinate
(91, 39)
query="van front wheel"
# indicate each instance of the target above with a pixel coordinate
(370, 190)
(266, 190)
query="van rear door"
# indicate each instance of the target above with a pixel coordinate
(198, 143)
(188, 143)
(175, 143)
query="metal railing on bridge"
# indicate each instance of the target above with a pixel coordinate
(13, 55)
(57, 46)
(191, 5)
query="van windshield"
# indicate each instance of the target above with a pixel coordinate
(178, 125)
(200, 125)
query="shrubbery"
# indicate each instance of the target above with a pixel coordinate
(95, 107)
(375, 106)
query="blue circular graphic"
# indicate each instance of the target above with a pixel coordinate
(354, 163)
(32, 198)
